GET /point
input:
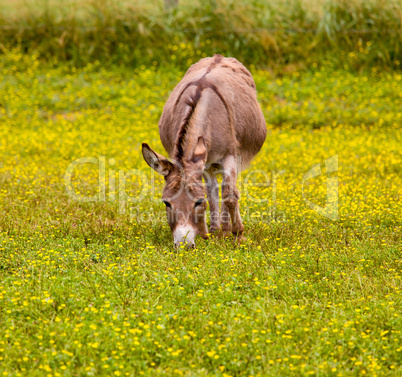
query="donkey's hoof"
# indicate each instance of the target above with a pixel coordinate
(224, 233)
(239, 239)
(214, 230)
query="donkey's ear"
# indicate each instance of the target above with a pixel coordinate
(200, 152)
(156, 161)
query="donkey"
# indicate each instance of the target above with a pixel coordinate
(211, 124)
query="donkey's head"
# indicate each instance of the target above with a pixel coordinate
(184, 193)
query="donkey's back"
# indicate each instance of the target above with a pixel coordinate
(216, 99)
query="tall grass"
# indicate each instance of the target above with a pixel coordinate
(282, 32)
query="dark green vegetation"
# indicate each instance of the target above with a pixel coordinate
(281, 34)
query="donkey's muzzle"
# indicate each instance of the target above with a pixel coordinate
(189, 245)
(184, 236)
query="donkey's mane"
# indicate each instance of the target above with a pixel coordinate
(191, 103)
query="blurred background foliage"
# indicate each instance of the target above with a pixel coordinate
(285, 34)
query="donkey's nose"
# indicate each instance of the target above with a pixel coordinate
(184, 235)
(188, 245)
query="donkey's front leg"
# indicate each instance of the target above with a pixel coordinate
(212, 187)
(230, 195)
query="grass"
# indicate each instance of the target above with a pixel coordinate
(97, 289)
(285, 33)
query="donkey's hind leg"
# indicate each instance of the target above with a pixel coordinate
(225, 219)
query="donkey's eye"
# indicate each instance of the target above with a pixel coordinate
(167, 204)
(199, 202)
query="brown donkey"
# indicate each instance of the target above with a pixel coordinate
(211, 124)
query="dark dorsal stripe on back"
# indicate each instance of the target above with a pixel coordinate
(191, 102)
(217, 59)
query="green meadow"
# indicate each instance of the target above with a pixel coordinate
(97, 288)
(90, 283)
